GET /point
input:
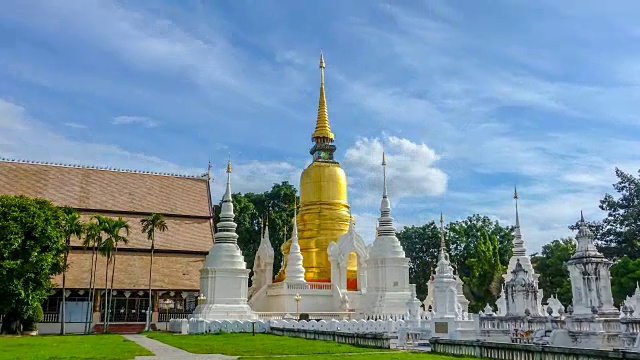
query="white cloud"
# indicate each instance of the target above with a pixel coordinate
(127, 120)
(74, 125)
(24, 138)
(411, 168)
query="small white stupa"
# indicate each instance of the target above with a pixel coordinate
(387, 267)
(445, 293)
(295, 270)
(263, 262)
(590, 278)
(520, 265)
(224, 277)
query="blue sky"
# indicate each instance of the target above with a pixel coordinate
(467, 98)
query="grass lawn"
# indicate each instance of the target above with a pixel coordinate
(69, 347)
(264, 346)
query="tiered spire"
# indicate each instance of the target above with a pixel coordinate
(444, 266)
(386, 244)
(385, 222)
(295, 270)
(227, 227)
(322, 132)
(518, 242)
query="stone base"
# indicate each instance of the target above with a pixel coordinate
(386, 303)
(224, 312)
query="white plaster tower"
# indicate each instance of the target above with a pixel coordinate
(294, 270)
(387, 267)
(224, 276)
(590, 277)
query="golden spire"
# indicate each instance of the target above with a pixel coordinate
(229, 165)
(323, 130)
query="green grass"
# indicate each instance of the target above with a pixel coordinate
(263, 346)
(69, 347)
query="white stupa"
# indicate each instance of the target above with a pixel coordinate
(294, 270)
(387, 267)
(224, 277)
(590, 277)
(445, 287)
(530, 296)
(263, 262)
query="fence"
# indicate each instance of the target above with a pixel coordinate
(508, 351)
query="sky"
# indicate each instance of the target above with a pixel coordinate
(467, 98)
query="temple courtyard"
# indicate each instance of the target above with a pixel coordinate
(160, 345)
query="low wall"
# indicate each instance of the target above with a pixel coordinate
(371, 340)
(54, 328)
(509, 351)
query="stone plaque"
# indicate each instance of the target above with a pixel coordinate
(442, 327)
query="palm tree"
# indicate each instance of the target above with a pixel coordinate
(105, 249)
(149, 226)
(93, 239)
(72, 226)
(114, 228)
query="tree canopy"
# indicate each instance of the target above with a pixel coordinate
(550, 264)
(618, 234)
(479, 249)
(32, 245)
(625, 276)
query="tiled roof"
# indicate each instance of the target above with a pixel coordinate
(170, 271)
(182, 234)
(106, 189)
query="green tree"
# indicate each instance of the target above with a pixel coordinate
(421, 245)
(149, 226)
(72, 227)
(550, 264)
(625, 276)
(93, 239)
(483, 284)
(112, 229)
(32, 247)
(618, 234)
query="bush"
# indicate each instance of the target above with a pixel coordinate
(35, 316)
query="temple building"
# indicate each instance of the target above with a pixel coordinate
(179, 252)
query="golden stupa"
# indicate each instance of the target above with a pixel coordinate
(324, 212)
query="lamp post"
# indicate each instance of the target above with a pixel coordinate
(297, 298)
(201, 301)
(168, 303)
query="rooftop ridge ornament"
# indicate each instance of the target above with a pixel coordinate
(96, 167)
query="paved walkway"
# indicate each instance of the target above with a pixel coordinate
(166, 352)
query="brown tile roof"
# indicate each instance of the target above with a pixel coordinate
(182, 234)
(93, 188)
(170, 271)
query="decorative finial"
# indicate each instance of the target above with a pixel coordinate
(581, 216)
(323, 130)
(518, 248)
(384, 176)
(209, 170)
(229, 165)
(261, 227)
(442, 244)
